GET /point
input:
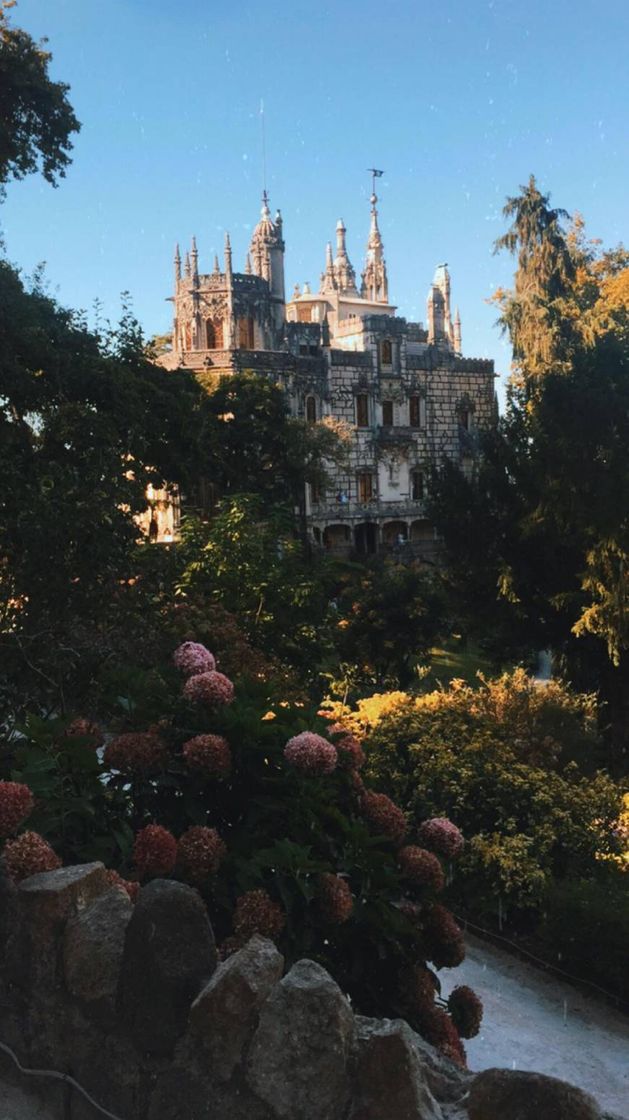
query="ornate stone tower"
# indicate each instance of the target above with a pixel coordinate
(266, 257)
(375, 285)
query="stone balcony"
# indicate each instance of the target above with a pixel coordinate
(374, 510)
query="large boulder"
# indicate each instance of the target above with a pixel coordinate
(389, 1077)
(182, 1093)
(46, 902)
(93, 947)
(224, 1015)
(169, 954)
(298, 1058)
(500, 1093)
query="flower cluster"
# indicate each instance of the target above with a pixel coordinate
(421, 867)
(310, 753)
(192, 658)
(443, 837)
(27, 855)
(154, 851)
(350, 751)
(126, 885)
(443, 938)
(16, 803)
(199, 853)
(137, 752)
(85, 729)
(417, 987)
(466, 1010)
(334, 898)
(437, 1027)
(209, 688)
(383, 816)
(256, 912)
(209, 755)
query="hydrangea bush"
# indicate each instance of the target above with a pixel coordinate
(260, 804)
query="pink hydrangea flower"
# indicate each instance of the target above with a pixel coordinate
(200, 852)
(311, 753)
(421, 867)
(27, 855)
(191, 658)
(154, 851)
(335, 898)
(209, 688)
(442, 836)
(16, 803)
(384, 816)
(209, 755)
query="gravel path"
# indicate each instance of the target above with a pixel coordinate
(533, 1021)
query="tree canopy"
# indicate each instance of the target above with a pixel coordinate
(36, 119)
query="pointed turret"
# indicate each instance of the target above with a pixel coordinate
(177, 264)
(186, 267)
(217, 270)
(229, 280)
(248, 265)
(194, 257)
(328, 279)
(343, 272)
(457, 333)
(375, 285)
(267, 256)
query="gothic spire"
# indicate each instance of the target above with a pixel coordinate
(328, 279)
(217, 270)
(343, 272)
(177, 264)
(375, 285)
(186, 267)
(194, 256)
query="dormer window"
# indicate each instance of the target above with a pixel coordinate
(386, 352)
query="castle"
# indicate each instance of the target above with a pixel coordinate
(405, 391)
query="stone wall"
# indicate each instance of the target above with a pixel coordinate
(132, 1003)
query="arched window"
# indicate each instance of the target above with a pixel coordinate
(386, 352)
(210, 335)
(188, 336)
(311, 410)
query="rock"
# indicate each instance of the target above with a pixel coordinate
(8, 915)
(224, 1015)
(53, 896)
(93, 948)
(298, 1058)
(500, 1093)
(46, 901)
(181, 1094)
(389, 1077)
(169, 954)
(447, 1081)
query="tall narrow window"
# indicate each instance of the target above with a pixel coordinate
(245, 334)
(387, 414)
(365, 486)
(210, 335)
(362, 410)
(418, 488)
(188, 336)
(417, 412)
(465, 419)
(311, 410)
(386, 352)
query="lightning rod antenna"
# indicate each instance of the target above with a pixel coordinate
(263, 131)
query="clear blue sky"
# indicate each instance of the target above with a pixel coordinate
(458, 101)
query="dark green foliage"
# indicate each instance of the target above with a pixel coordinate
(36, 118)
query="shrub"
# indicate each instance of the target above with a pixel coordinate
(290, 842)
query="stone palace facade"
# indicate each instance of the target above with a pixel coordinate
(404, 389)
